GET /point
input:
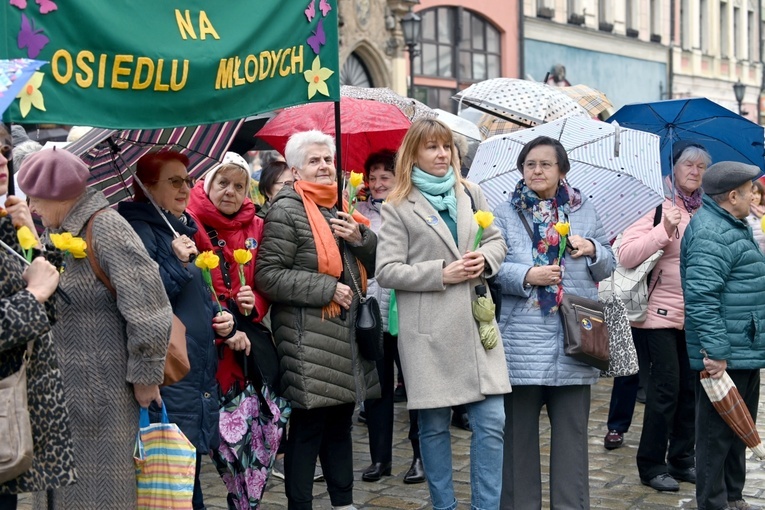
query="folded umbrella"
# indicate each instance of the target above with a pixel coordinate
(483, 312)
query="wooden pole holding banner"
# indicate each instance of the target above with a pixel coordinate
(339, 156)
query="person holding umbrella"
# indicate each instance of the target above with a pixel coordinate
(312, 265)
(723, 279)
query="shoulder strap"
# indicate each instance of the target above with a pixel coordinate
(472, 202)
(218, 247)
(91, 253)
(657, 216)
(526, 225)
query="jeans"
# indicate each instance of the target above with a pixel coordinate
(720, 454)
(668, 424)
(487, 418)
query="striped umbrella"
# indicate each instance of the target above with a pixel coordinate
(617, 169)
(108, 151)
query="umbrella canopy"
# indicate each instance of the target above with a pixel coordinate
(726, 135)
(459, 124)
(412, 108)
(108, 152)
(592, 100)
(366, 127)
(726, 399)
(616, 168)
(524, 102)
(14, 74)
(490, 125)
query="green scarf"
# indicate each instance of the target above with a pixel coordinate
(439, 191)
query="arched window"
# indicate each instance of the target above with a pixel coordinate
(354, 72)
(458, 44)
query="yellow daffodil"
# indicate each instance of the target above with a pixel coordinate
(484, 218)
(563, 228)
(242, 256)
(207, 260)
(356, 179)
(27, 239)
(316, 77)
(66, 242)
(31, 96)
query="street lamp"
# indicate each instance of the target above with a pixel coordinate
(411, 25)
(739, 89)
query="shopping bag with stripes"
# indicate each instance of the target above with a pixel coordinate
(165, 462)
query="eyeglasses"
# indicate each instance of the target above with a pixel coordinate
(177, 182)
(531, 165)
(284, 183)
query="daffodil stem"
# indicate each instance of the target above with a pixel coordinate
(241, 281)
(562, 248)
(208, 280)
(28, 254)
(478, 236)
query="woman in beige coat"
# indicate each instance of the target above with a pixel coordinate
(425, 253)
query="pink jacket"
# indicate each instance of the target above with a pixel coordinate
(640, 241)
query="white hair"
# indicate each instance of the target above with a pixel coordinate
(694, 153)
(298, 144)
(76, 132)
(22, 150)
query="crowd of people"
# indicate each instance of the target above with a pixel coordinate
(285, 317)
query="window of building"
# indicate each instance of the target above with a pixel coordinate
(631, 15)
(724, 30)
(751, 36)
(685, 25)
(655, 20)
(436, 97)
(458, 43)
(606, 15)
(354, 72)
(704, 26)
(738, 51)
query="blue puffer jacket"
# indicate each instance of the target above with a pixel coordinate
(723, 275)
(192, 402)
(534, 343)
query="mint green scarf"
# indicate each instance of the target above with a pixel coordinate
(439, 191)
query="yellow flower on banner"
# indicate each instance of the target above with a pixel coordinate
(207, 260)
(31, 96)
(316, 77)
(563, 228)
(242, 256)
(356, 179)
(484, 218)
(27, 239)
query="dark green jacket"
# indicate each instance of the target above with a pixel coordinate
(723, 275)
(319, 361)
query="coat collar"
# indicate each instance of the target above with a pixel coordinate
(433, 220)
(90, 202)
(715, 209)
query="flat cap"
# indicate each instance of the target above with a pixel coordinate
(727, 175)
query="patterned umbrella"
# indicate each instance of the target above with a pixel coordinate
(109, 152)
(727, 401)
(592, 100)
(616, 168)
(491, 125)
(524, 102)
(412, 108)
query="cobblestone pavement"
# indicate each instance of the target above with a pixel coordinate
(614, 482)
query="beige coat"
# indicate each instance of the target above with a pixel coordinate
(442, 358)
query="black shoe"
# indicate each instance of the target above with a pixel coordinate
(399, 394)
(362, 415)
(461, 421)
(416, 473)
(640, 396)
(662, 483)
(376, 471)
(684, 475)
(613, 440)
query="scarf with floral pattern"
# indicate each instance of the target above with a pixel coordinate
(545, 214)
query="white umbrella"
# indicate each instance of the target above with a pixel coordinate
(524, 102)
(618, 169)
(458, 124)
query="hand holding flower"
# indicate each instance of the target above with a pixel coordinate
(245, 299)
(223, 323)
(242, 257)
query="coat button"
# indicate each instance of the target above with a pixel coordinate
(207, 395)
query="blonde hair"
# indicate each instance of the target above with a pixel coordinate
(419, 133)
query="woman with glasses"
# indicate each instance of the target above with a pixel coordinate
(534, 279)
(273, 177)
(192, 402)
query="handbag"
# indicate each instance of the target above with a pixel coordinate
(631, 285)
(16, 446)
(623, 358)
(368, 326)
(165, 465)
(585, 333)
(177, 358)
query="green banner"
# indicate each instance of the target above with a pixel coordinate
(156, 63)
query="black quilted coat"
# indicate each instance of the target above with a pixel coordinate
(319, 361)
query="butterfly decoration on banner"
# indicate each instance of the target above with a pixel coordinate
(317, 75)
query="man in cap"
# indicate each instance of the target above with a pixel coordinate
(723, 277)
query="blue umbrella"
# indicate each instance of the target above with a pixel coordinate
(726, 135)
(14, 74)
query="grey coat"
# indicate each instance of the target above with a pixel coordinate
(103, 346)
(442, 358)
(533, 342)
(318, 358)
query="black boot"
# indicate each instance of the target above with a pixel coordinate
(416, 473)
(376, 471)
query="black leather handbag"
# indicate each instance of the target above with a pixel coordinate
(369, 327)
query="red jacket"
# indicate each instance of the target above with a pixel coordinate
(242, 230)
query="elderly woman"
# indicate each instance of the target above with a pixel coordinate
(312, 265)
(533, 282)
(273, 177)
(27, 312)
(666, 453)
(192, 402)
(111, 351)
(756, 212)
(226, 221)
(427, 256)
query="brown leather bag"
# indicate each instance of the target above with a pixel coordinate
(177, 359)
(585, 334)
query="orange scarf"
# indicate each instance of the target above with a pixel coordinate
(329, 260)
